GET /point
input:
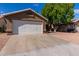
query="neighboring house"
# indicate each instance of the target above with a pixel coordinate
(25, 21)
(77, 25)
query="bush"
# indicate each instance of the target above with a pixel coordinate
(47, 28)
(2, 29)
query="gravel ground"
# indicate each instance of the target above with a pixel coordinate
(40, 45)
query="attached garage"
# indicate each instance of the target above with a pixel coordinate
(27, 27)
(25, 22)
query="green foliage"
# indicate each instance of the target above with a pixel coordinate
(58, 13)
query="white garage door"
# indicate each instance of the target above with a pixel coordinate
(27, 27)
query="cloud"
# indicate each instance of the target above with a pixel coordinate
(76, 11)
(1, 12)
(36, 4)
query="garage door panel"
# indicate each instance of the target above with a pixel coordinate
(27, 27)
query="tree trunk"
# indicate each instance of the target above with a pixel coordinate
(55, 28)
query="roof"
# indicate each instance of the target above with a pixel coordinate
(75, 21)
(11, 13)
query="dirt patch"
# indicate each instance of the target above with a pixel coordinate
(71, 37)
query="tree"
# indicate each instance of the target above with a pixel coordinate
(58, 13)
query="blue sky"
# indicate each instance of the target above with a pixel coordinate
(9, 7)
(76, 8)
(4, 8)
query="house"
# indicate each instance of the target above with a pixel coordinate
(77, 25)
(25, 21)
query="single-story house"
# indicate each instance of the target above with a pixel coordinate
(77, 25)
(25, 21)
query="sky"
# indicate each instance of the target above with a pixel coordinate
(76, 10)
(10, 7)
(5, 8)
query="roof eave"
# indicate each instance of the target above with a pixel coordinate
(7, 14)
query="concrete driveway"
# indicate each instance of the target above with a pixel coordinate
(39, 45)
